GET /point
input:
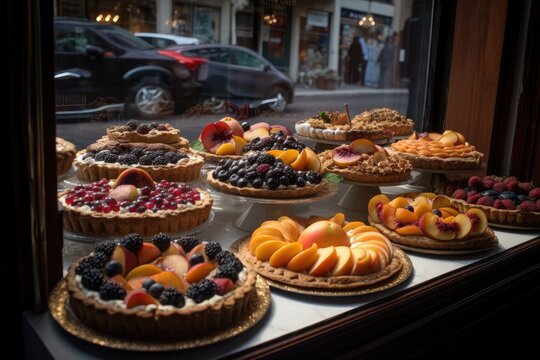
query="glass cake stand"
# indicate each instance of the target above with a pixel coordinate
(358, 194)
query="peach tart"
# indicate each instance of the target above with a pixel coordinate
(447, 151)
(428, 221)
(107, 159)
(142, 132)
(323, 253)
(389, 119)
(134, 203)
(65, 153)
(363, 161)
(160, 289)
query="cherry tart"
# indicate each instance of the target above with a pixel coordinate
(163, 162)
(134, 203)
(65, 153)
(160, 289)
(140, 132)
(428, 221)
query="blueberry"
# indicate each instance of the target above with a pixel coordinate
(113, 268)
(223, 175)
(300, 182)
(410, 208)
(242, 182)
(156, 289)
(507, 195)
(196, 259)
(257, 183)
(272, 183)
(233, 179)
(436, 212)
(242, 172)
(215, 175)
(488, 193)
(284, 180)
(245, 126)
(147, 283)
(522, 198)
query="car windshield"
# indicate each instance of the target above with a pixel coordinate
(124, 38)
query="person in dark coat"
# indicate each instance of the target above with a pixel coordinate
(356, 57)
(386, 61)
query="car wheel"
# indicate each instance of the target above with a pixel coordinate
(151, 99)
(282, 99)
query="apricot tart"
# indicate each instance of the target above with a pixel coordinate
(139, 132)
(430, 222)
(363, 161)
(159, 290)
(65, 153)
(108, 159)
(134, 203)
(334, 126)
(324, 254)
(447, 151)
(505, 201)
(264, 175)
(389, 119)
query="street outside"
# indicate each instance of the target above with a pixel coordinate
(306, 104)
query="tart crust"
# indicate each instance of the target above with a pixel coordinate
(266, 193)
(501, 216)
(486, 241)
(120, 133)
(146, 224)
(215, 158)
(65, 153)
(286, 276)
(160, 324)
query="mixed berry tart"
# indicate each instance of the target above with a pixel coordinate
(322, 253)
(389, 119)
(108, 159)
(447, 151)
(142, 132)
(159, 290)
(134, 203)
(505, 201)
(363, 161)
(428, 221)
(334, 126)
(264, 175)
(65, 153)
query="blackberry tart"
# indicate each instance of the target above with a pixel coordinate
(157, 290)
(134, 203)
(65, 153)
(163, 162)
(143, 132)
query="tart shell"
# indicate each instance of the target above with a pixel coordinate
(502, 216)
(215, 158)
(64, 156)
(437, 163)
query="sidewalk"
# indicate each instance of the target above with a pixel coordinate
(347, 89)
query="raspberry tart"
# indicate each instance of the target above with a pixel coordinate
(430, 222)
(447, 151)
(108, 159)
(134, 203)
(263, 175)
(505, 201)
(159, 290)
(323, 254)
(65, 153)
(363, 161)
(140, 132)
(334, 126)
(389, 119)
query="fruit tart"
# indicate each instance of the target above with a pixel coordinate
(134, 203)
(334, 126)
(107, 159)
(323, 253)
(389, 119)
(447, 151)
(505, 201)
(141, 132)
(430, 222)
(363, 161)
(161, 289)
(65, 153)
(263, 175)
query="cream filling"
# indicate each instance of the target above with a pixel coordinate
(90, 160)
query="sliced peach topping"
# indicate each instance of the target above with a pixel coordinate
(283, 255)
(257, 240)
(399, 202)
(405, 216)
(267, 249)
(300, 162)
(409, 230)
(304, 260)
(353, 225)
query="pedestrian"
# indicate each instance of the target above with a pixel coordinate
(372, 69)
(355, 56)
(386, 63)
(364, 59)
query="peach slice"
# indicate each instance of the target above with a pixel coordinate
(228, 148)
(323, 233)
(235, 126)
(289, 156)
(274, 129)
(353, 225)
(304, 260)
(139, 297)
(461, 138)
(463, 225)
(120, 280)
(428, 195)
(367, 236)
(215, 134)
(259, 132)
(175, 263)
(224, 285)
(290, 228)
(383, 252)
(399, 202)
(421, 209)
(126, 258)
(378, 157)
(325, 262)
(170, 278)
(478, 220)
(283, 255)
(432, 136)
(239, 144)
(339, 219)
(301, 161)
(125, 193)
(343, 156)
(375, 205)
(256, 241)
(377, 262)
(361, 229)
(136, 283)
(272, 231)
(440, 201)
(268, 248)
(313, 161)
(450, 210)
(143, 271)
(148, 253)
(362, 262)
(421, 200)
(405, 217)
(260, 124)
(388, 216)
(275, 152)
(363, 146)
(198, 272)
(409, 230)
(450, 138)
(433, 226)
(134, 176)
(344, 263)
(449, 219)
(174, 249)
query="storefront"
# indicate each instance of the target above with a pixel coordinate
(202, 22)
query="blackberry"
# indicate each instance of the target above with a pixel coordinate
(300, 182)
(137, 152)
(143, 129)
(106, 247)
(172, 157)
(162, 241)
(92, 279)
(272, 182)
(226, 257)
(227, 270)
(160, 160)
(212, 249)
(127, 159)
(88, 155)
(98, 260)
(111, 158)
(252, 160)
(266, 159)
(113, 268)
(154, 125)
(111, 291)
(171, 296)
(203, 290)
(100, 156)
(145, 160)
(132, 242)
(188, 242)
(133, 124)
(84, 265)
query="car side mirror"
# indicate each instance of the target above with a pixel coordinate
(266, 67)
(94, 52)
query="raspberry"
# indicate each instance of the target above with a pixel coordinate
(472, 199)
(498, 204)
(512, 186)
(475, 182)
(499, 187)
(508, 204)
(460, 194)
(486, 201)
(534, 194)
(528, 206)
(525, 187)
(262, 169)
(510, 179)
(488, 182)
